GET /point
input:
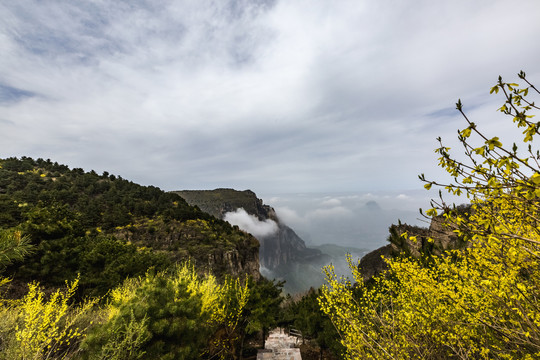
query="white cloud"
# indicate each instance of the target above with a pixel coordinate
(328, 213)
(332, 202)
(289, 216)
(250, 223)
(403, 197)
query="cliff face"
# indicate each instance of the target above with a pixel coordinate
(277, 250)
(443, 239)
(210, 251)
(284, 248)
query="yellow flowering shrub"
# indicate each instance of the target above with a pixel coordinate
(481, 302)
(48, 326)
(180, 314)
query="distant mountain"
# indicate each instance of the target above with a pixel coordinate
(373, 206)
(218, 202)
(107, 228)
(283, 254)
(278, 248)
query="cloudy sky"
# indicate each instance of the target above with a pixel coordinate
(275, 96)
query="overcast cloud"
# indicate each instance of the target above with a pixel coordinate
(274, 96)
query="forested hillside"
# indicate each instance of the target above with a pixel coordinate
(107, 228)
(95, 266)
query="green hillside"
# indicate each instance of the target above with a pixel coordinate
(97, 267)
(108, 228)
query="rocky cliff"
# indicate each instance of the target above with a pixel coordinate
(278, 249)
(283, 254)
(197, 240)
(435, 240)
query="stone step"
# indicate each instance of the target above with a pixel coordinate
(279, 346)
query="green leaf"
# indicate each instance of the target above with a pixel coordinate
(428, 186)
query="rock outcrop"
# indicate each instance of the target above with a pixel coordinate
(435, 240)
(283, 254)
(210, 252)
(285, 247)
(277, 250)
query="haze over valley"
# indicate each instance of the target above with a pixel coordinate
(355, 219)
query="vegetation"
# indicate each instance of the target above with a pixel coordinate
(305, 315)
(96, 267)
(477, 302)
(104, 228)
(170, 316)
(178, 315)
(167, 315)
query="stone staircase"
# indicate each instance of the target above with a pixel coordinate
(279, 346)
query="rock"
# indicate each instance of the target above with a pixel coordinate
(235, 254)
(278, 250)
(442, 239)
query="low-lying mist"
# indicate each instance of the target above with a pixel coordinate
(350, 220)
(250, 223)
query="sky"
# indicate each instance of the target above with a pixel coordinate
(280, 97)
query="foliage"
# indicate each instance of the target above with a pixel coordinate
(13, 247)
(228, 317)
(263, 310)
(306, 315)
(264, 305)
(39, 328)
(102, 227)
(477, 302)
(170, 316)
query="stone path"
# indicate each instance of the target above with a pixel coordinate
(279, 346)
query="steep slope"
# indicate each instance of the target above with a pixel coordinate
(283, 254)
(277, 249)
(107, 228)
